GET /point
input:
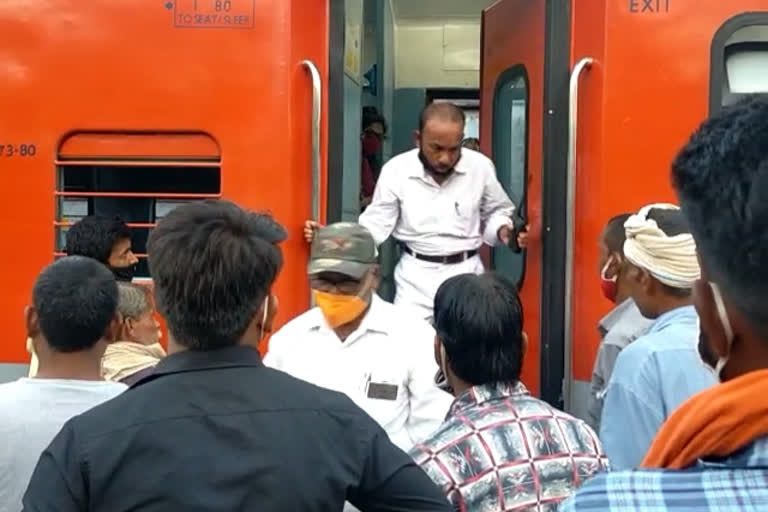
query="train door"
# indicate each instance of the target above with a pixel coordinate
(130, 108)
(603, 94)
(519, 128)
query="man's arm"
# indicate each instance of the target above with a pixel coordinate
(496, 208)
(57, 483)
(428, 404)
(601, 375)
(629, 421)
(381, 216)
(392, 482)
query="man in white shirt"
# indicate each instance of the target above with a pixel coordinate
(72, 317)
(376, 353)
(433, 200)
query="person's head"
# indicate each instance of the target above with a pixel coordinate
(137, 315)
(479, 337)
(721, 178)
(343, 272)
(472, 143)
(73, 311)
(611, 259)
(441, 131)
(661, 264)
(213, 265)
(104, 239)
(374, 132)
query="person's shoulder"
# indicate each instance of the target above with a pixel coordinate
(403, 163)
(642, 490)
(478, 161)
(297, 328)
(402, 320)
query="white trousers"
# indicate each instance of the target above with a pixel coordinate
(417, 281)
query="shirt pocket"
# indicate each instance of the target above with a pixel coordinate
(385, 397)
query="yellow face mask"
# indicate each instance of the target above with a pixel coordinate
(339, 309)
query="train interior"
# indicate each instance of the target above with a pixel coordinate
(580, 120)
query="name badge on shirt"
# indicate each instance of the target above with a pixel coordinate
(380, 391)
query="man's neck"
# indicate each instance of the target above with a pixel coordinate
(69, 367)
(672, 303)
(344, 331)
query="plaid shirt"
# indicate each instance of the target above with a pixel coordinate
(500, 450)
(738, 483)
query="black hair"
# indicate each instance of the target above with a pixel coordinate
(614, 234)
(75, 299)
(371, 116)
(721, 178)
(213, 265)
(441, 110)
(94, 237)
(671, 222)
(479, 319)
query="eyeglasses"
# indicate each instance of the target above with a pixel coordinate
(342, 285)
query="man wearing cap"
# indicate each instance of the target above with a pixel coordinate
(378, 354)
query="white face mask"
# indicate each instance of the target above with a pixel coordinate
(727, 329)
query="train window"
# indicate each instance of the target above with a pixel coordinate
(510, 152)
(133, 179)
(739, 59)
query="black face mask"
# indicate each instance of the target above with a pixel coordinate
(123, 273)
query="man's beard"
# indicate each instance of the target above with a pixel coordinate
(433, 171)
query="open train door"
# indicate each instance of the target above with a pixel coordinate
(524, 128)
(130, 108)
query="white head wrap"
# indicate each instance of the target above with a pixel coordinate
(670, 259)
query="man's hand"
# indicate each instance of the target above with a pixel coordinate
(505, 234)
(310, 228)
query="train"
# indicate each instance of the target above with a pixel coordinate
(131, 108)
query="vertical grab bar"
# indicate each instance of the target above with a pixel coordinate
(317, 105)
(573, 129)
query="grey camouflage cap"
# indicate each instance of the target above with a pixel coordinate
(345, 247)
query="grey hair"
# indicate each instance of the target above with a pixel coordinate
(134, 300)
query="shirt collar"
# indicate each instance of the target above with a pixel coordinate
(478, 395)
(674, 316)
(375, 319)
(616, 315)
(201, 360)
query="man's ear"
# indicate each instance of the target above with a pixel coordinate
(525, 344)
(417, 138)
(709, 322)
(31, 322)
(112, 333)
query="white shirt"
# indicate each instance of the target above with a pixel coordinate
(391, 348)
(438, 220)
(32, 411)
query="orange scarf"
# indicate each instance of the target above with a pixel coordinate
(716, 422)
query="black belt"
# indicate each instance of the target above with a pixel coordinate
(448, 260)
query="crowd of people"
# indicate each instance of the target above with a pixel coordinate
(361, 404)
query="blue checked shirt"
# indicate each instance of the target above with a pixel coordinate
(737, 483)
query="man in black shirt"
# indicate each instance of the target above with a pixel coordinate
(213, 429)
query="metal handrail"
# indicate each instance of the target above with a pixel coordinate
(317, 110)
(573, 129)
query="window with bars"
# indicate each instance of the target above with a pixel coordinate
(135, 178)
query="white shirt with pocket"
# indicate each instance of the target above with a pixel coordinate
(387, 367)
